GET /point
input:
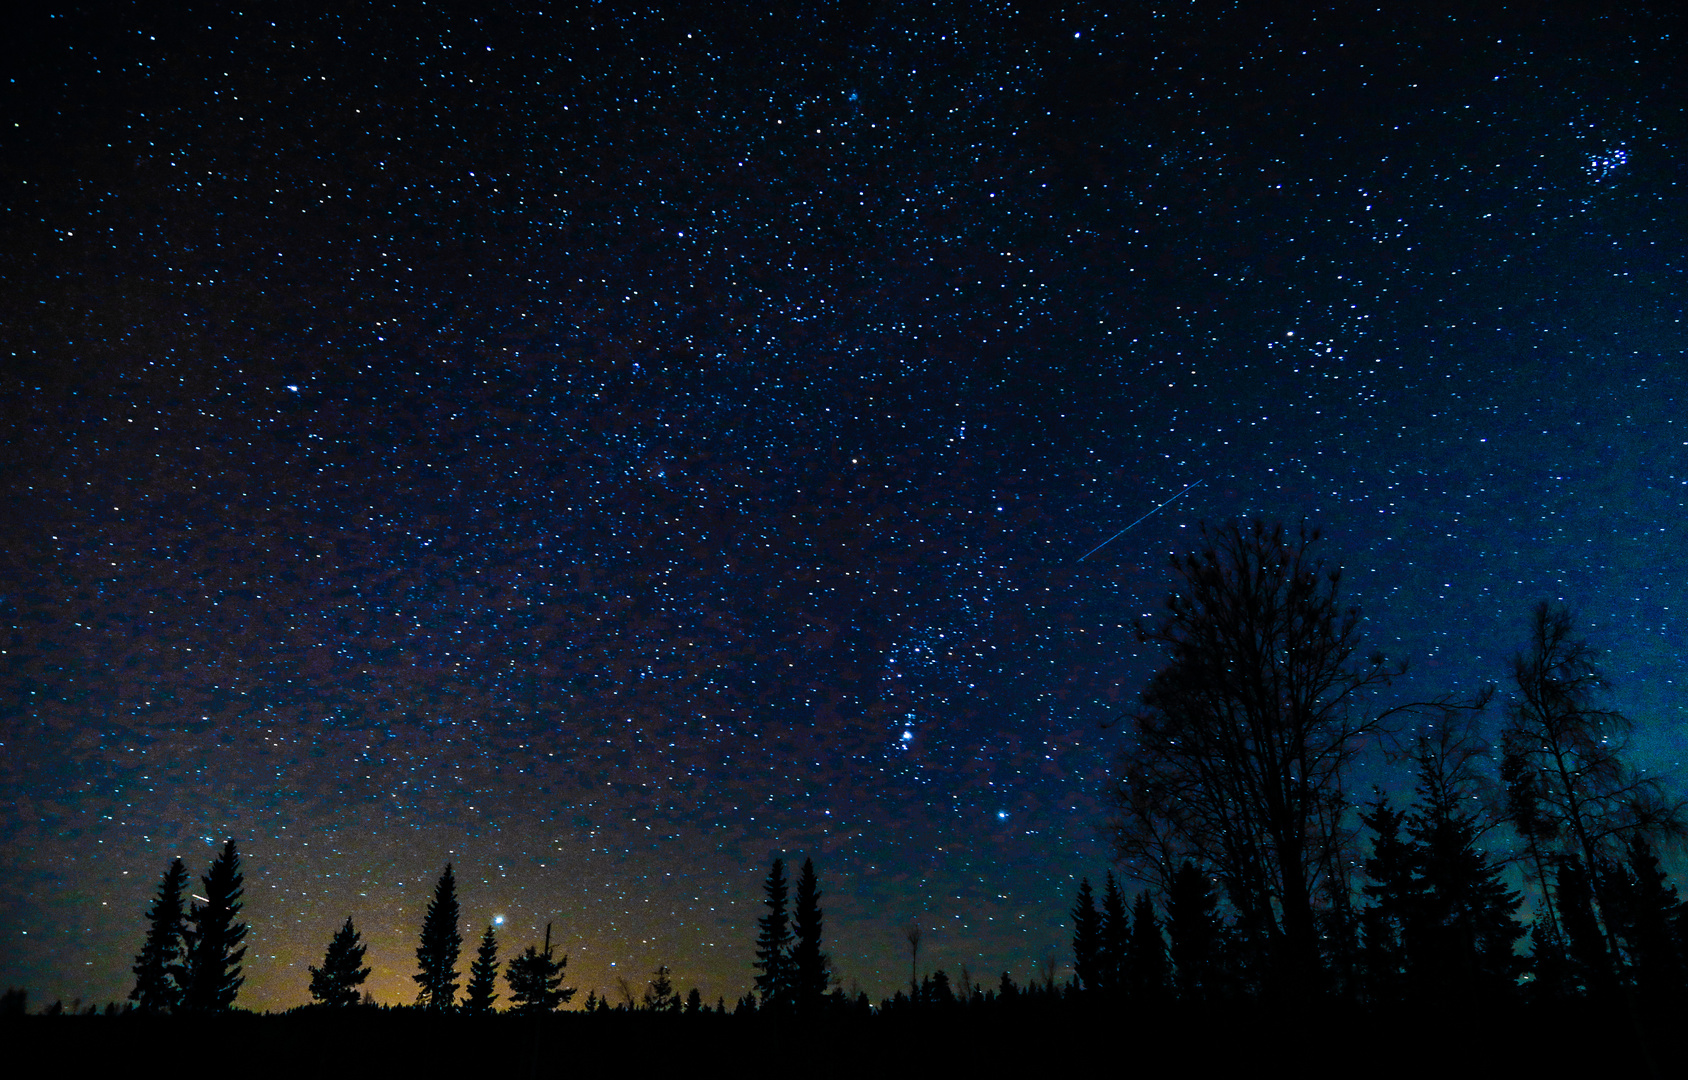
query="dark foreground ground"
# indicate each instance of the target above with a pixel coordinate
(1257, 1042)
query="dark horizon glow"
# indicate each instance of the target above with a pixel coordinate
(607, 451)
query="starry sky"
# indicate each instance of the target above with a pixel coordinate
(612, 447)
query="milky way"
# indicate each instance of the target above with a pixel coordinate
(609, 451)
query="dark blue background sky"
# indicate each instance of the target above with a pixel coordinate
(607, 450)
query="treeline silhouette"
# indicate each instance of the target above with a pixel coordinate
(1519, 888)
(1230, 802)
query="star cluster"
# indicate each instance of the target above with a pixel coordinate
(607, 449)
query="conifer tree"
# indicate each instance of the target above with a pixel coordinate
(660, 995)
(214, 937)
(1547, 962)
(1087, 939)
(1194, 933)
(1146, 963)
(809, 974)
(483, 976)
(1391, 896)
(694, 1001)
(158, 969)
(1648, 910)
(1589, 961)
(337, 981)
(1466, 923)
(436, 955)
(940, 993)
(773, 943)
(1113, 933)
(535, 979)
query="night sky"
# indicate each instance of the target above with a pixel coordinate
(608, 450)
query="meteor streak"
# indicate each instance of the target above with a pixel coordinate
(1128, 528)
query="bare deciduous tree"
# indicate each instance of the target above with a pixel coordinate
(1570, 787)
(1237, 753)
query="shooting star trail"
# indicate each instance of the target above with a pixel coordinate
(1133, 525)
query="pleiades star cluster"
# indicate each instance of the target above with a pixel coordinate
(606, 448)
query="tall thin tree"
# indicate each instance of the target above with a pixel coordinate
(1194, 934)
(1146, 961)
(809, 974)
(483, 976)
(436, 955)
(158, 968)
(1114, 932)
(912, 933)
(773, 942)
(1087, 939)
(214, 936)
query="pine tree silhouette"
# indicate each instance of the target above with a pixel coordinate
(535, 979)
(337, 981)
(1194, 934)
(1113, 933)
(1590, 962)
(214, 937)
(1549, 967)
(1146, 962)
(1648, 912)
(660, 995)
(436, 955)
(158, 969)
(809, 974)
(1392, 895)
(1087, 939)
(1466, 927)
(773, 943)
(483, 975)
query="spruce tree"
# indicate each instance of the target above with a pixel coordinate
(1195, 934)
(1087, 939)
(1442, 926)
(1391, 896)
(1648, 909)
(773, 943)
(158, 968)
(337, 981)
(660, 995)
(1547, 962)
(1146, 963)
(214, 937)
(1590, 962)
(535, 979)
(809, 974)
(1114, 932)
(1466, 925)
(483, 975)
(436, 956)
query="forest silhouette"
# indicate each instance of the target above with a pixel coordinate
(1513, 912)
